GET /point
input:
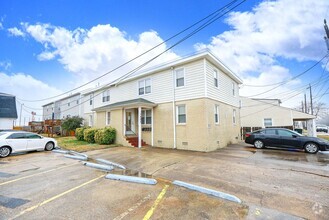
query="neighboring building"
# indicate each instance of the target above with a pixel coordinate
(8, 111)
(263, 113)
(62, 108)
(191, 104)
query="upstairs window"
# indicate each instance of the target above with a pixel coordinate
(91, 99)
(146, 117)
(267, 122)
(106, 96)
(216, 114)
(233, 88)
(181, 114)
(68, 102)
(180, 77)
(215, 78)
(144, 86)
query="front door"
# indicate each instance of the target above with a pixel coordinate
(130, 122)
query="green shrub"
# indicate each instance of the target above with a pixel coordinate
(89, 134)
(105, 136)
(79, 133)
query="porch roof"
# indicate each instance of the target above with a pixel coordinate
(133, 103)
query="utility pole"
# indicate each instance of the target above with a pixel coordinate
(303, 106)
(326, 38)
(311, 99)
(305, 103)
(20, 115)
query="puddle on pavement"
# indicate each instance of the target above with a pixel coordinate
(126, 172)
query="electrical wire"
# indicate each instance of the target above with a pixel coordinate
(210, 21)
(140, 55)
(308, 69)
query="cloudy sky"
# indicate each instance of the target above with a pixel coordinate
(50, 47)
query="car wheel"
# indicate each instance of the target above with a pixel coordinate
(259, 144)
(49, 146)
(4, 151)
(311, 148)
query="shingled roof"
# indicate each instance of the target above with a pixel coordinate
(7, 106)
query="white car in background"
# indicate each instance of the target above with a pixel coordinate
(20, 141)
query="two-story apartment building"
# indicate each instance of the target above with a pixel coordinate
(191, 104)
(62, 108)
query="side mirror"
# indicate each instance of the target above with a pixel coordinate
(294, 136)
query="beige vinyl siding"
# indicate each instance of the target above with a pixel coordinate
(161, 87)
(194, 81)
(223, 92)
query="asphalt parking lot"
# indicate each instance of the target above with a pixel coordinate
(273, 184)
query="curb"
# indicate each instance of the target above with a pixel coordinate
(131, 179)
(98, 166)
(76, 157)
(111, 163)
(77, 153)
(60, 151)
(208, 191)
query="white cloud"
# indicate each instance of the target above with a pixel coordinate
(271, 32)
(16, 32)
(5, 64)
(26, 87)
(1, 26)
(93, 52)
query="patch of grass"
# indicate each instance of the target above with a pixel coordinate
(324, 137)
(71, 143)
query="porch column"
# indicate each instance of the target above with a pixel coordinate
(152, 128)
(124, 122)
(139, 127)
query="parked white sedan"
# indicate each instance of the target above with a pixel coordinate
(20, 141)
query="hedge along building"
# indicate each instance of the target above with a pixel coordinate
(191, 104)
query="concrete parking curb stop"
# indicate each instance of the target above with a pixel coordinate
(134, 179)
(76, 157)
(111, 163)
(77, 153)
(208, 191)
(98, 166)
(60, 151)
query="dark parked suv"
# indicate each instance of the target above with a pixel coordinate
(285, 138)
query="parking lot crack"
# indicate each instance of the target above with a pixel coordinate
(164, 167)
(301, 171)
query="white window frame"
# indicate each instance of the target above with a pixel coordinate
(268, 119)
(177, 114)
(68, 102)
(216, 111)
(233, 89)
(216, 79)
(234, 116)
(184, 81)
(91, 120)
(106, 96)
(144, 117)
(91, 97)
(108, 119)
(144, 86)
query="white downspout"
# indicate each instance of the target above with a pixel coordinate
(152, 128)
(139, 127)
(173, 106)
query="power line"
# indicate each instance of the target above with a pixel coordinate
(210, 21)
(214, 14)
(286, 81)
